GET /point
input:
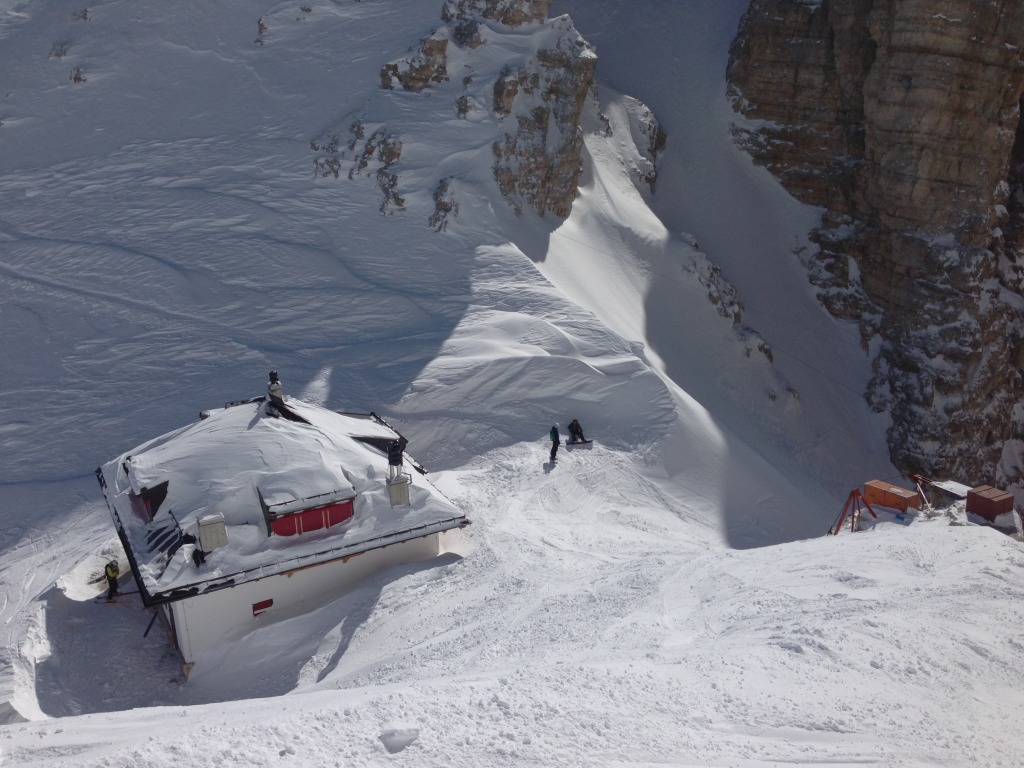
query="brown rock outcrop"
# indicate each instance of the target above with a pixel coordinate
(540, 161)
(372, 154)
(536, 105)
(900, 118)
(511, 13)
(429, 65)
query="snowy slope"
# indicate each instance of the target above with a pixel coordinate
(664, 596)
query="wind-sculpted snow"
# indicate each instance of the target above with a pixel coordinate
(165, 240)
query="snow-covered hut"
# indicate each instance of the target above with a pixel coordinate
(264, 510)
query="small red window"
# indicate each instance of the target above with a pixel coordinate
(313, 519)
(261, 606)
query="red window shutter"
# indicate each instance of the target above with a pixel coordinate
(312, 519)
(285, 526)
(338, 513)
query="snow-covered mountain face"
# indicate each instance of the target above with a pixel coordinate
(171, 213)
(173, 227)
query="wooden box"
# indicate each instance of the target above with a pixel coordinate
(892, 496)
(988, 502)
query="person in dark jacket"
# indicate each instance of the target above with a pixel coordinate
(556, 440)
(111, 571)
(576, 432)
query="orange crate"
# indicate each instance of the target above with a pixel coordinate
(988, 502)
(889, 495)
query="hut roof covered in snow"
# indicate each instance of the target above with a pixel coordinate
(249, 465)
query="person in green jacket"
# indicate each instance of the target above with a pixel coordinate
(556, 440)
(112, 572)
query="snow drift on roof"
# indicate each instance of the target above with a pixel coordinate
(225, 463)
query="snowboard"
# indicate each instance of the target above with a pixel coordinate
(578, 444)
(103, 599)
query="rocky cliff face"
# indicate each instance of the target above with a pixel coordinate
(901, 118)
(539, 159)
(536, 104)
(511, 13)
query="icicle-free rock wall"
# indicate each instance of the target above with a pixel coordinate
(540, 157)
(535, 104)
(539, 101)
(901, 118)
(511, 13)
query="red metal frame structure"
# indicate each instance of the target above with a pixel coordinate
(919, 480)
(853, 507)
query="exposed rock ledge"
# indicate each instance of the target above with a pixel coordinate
(536, 103)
